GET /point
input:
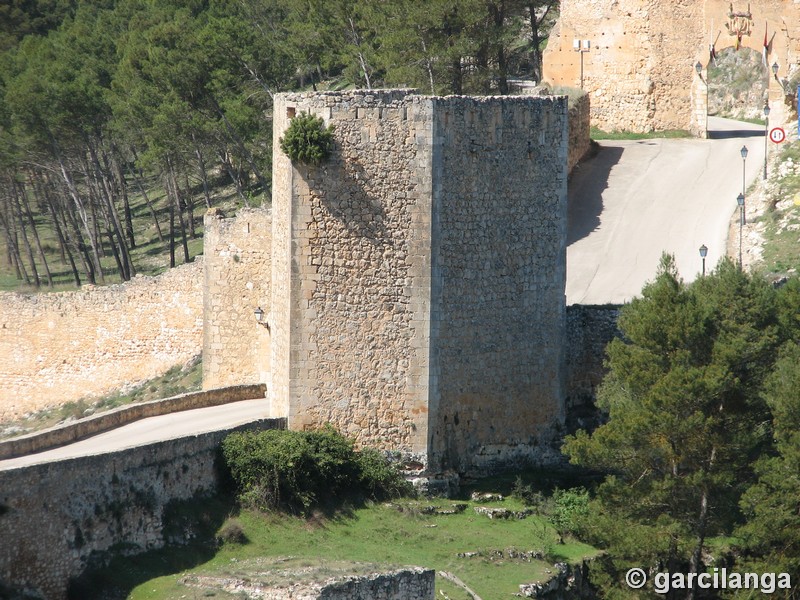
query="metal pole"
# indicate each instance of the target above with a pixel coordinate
(766, 143)
(744, 164)
(741, 222)
(704, 267)
(581, 51)
(707, 82)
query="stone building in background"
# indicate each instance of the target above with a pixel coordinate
(638, 59)
(413, 284)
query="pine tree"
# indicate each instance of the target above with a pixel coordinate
(685, 417)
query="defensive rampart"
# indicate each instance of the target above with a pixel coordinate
(639, 65)
(589, 331)
(237, 273)
(57, 517)
(418, 275)
(63, 346)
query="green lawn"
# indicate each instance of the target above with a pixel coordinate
(599, 134)
(384, 535)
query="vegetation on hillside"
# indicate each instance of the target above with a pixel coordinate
(738, 82)
(491, 556)
(701, 440)
(120, 119)
(302, 470)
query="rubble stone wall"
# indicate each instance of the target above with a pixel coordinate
(499, 269)
(589, 331)
(640, 67)
(63, 346)
(355, 307)
(401, 584)
(237, 276)
(418, 274)
(58, 516)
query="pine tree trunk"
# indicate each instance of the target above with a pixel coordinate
(19, 218)
(27, 208)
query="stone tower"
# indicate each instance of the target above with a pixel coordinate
(417, 293)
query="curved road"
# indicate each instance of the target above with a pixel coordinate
(152, 429)
(637, 199)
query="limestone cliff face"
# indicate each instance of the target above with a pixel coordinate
(640, 68)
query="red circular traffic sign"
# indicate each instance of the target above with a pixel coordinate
(777, 135)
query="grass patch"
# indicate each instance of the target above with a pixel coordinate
(178, 380)
(497, 555)
(599, 134)
(395, 534)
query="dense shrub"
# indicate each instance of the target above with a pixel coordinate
(298, 470)
(307, 140)
(570, 510)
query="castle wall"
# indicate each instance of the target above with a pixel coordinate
(60, 347)
(580, 141)
(499, 268)
(426, 268)
(237, 275)
(353, 317)
(61, 515)
(589, 330)
(640, 71)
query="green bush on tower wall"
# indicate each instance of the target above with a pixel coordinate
(307, 140)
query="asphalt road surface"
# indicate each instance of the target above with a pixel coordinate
(638, 199)
(152, 429)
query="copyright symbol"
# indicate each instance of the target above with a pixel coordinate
(636, 578)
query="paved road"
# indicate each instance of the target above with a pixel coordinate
(165, 427)
(637, 199)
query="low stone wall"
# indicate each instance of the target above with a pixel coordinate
(60, 347)
(589, 330)
(403, 584)
(72, 432)
(56, 517)
(579, 124)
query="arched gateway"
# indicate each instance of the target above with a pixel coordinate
(636, 58)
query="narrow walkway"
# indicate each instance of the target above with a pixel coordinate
(153, 429)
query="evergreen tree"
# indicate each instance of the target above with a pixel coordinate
(685, 418)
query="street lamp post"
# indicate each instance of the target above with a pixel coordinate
(740, 202)
(743, 152)
(766, 135)
(699, 68)
(703, 254)
(581, 46)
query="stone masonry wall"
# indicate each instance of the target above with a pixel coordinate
(616, 68)
(499, 269)
(418, 274)
(63, 346)
(589, 330)
(237, 275)
(355, 307)
(402, 584)
(639, 70)
(579, 126)
(62, 514)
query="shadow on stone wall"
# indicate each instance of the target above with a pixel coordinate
(189, 527)
(349, 200)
